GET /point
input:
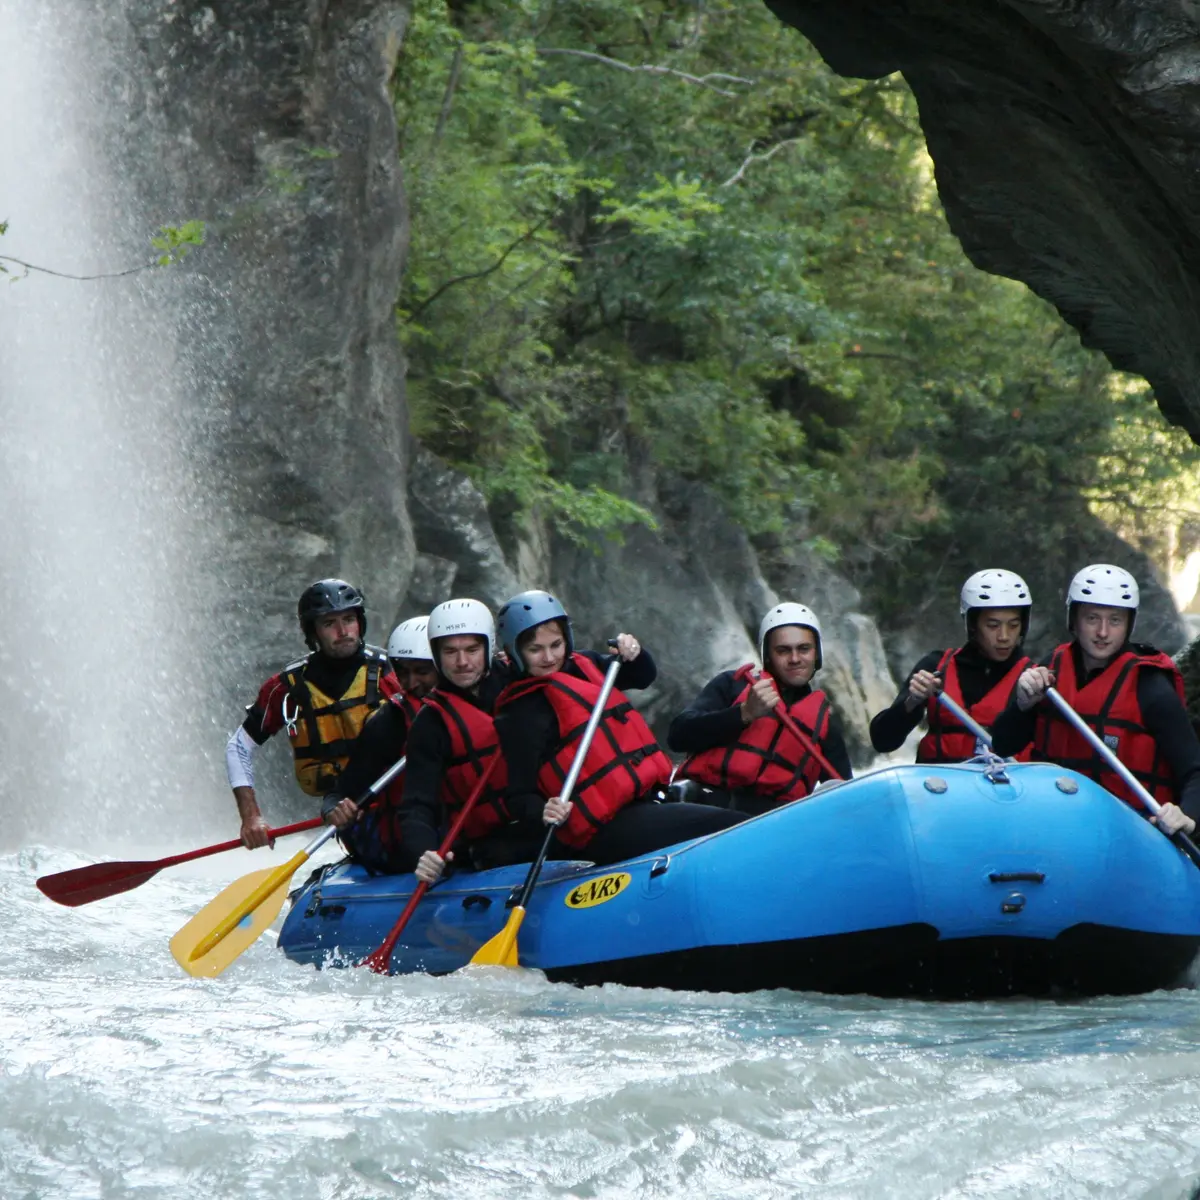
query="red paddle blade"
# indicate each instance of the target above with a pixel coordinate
(85, 884)
(380, 960)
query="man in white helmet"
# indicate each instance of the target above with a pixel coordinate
(411, 658)
(1130, 693)
(980, 675)
(374, 837)
(738, 750)
(450, 742)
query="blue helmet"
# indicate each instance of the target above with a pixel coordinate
(524, 612)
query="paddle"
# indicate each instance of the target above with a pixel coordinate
(786, 720)
(82, 885)
(965, 719)
(1072, 718)
(233, 920)
(380, 959)
(501, 950)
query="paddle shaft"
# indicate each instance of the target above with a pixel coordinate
(964, 718)
(379, 960)
(786, 718)
(82, 885)
(501, 950)
(234, 843)
(272, 882)
(1127, 776)
(585, 744)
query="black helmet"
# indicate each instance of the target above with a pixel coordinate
(330, 596)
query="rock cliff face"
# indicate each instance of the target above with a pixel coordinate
(693, 590)
(1066, 138)
(270, 120)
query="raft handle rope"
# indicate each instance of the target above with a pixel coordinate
(992, 762)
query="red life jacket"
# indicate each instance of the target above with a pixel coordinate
(473, 742)
(949, 741)
(766, 759)
(623, 763)
(1109, 704)
(390, 804)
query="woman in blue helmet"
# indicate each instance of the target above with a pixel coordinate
(614, 812)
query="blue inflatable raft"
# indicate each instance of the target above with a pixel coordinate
(947, 881)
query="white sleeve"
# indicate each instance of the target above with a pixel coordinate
(239, 758)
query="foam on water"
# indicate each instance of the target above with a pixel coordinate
(121, 1076)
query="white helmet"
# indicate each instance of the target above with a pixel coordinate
(409, 640)
(455, 617)
(788, 614)
(1102, 583)
(995, 588)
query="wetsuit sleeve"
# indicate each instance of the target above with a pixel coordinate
(833, 746)
(710, 720)
(265, 716)
(890, 727)
(1167, 721)
(633, 676)
(421, 811)
(381, 743)
(1013, 729)
(527, 730)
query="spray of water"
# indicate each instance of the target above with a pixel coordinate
(107, 532)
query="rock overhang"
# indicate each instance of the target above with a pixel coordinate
(1066, 143)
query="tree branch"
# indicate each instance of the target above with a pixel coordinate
(635, 68)
(481, 274)
(908, 362)
(740, 173)
(27, 267)
(447, 99)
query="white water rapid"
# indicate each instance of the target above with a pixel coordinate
(122, 1077)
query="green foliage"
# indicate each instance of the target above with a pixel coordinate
(650, 236)
(176, 242)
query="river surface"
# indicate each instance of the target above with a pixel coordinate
(120, 1076)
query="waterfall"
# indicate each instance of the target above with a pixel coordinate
(112, 727)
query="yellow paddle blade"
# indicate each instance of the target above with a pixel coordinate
(501, 950)
(233, 920)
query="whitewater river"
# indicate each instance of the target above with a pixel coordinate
(120, 1076)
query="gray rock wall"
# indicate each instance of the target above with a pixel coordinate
(693, 590)
(271, 120)
(1066, 139)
